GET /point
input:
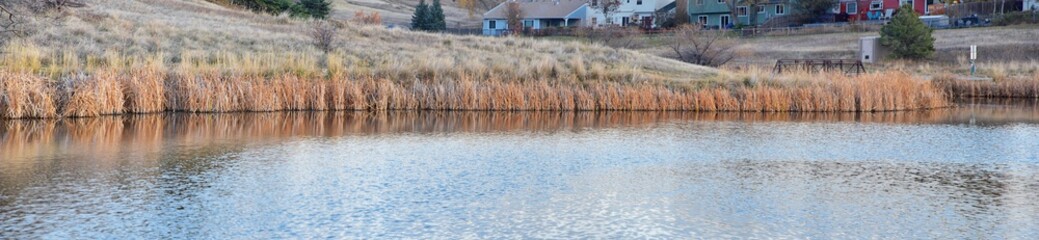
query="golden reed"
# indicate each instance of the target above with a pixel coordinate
(145, 91)
(1009, 88)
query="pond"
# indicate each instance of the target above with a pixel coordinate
(965, 172)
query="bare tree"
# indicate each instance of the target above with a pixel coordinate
(809, 11)
(733, 6)
(665, 19)
(607, 8)
(681, 12)
(11, 24)
(61, 4)
(323, 35)
(514, 17)
(752, 9)
(696, 45)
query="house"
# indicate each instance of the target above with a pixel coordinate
(1030, 5)
(877, 9)
(536, 14)
(629, 13)
(716, 13)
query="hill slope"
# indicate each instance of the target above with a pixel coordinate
(199, 29)
(399, 12)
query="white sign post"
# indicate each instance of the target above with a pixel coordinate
(973, 56)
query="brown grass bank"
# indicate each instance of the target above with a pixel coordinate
(25, 95)
(1000, 88)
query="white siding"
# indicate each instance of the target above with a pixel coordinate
(628, 8)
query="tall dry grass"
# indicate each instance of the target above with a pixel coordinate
(142, 91)
(1007, 82)
(1018, 88)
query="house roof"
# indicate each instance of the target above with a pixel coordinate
(538, 8)
(668, 7)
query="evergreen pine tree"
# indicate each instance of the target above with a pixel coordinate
(315, 8)
(437, 15)
(419, 19)
(907, 36)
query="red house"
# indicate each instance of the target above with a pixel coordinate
(877, 9)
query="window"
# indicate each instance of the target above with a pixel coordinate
(724, 21)
(741, 11)
(852, 8)
(780, 9)
(702, 20)
(492, 24)
(760, 8)
(595, 21)
(625, 21)
(595, 3)
(876, 5)
(907, 2)
(699, 2)
(528, 23)
(638, 2)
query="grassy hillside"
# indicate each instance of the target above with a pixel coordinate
(399, 11)
(241, 41)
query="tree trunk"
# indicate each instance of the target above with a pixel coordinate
(753, 12)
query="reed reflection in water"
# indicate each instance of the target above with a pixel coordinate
(950, 173)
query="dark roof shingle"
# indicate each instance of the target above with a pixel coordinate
(538, 8)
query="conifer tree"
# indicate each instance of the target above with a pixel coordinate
(907, 36)
(437, 16)
(316, 8)
(421, 16)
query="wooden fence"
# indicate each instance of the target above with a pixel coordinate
(744, 32)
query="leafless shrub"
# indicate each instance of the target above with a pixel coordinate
(323, 35)
(373, 18)
(694, 44)
(62, 4)
(10, 24)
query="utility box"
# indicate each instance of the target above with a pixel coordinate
(870, 50)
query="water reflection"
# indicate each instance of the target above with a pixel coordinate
(948, 173)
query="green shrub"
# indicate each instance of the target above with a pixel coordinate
(315, 8)
(907, 36)
(304, 8)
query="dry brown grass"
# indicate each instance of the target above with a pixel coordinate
(1019, 88)
(1015, 79)
(110, 93)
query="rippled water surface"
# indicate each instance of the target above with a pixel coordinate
(970, 172)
